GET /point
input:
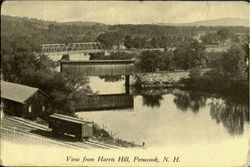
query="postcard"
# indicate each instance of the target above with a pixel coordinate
(125, 83)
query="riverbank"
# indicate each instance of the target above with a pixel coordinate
(161, 79)
(237, 89)
(203, 80)
(105, 136)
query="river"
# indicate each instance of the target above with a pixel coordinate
(172, 117)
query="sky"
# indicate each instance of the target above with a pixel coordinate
(126, 12)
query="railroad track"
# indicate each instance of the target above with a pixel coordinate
(40, 138)
(92, 142)
(23, 128)
(11, 124)
(21, 122)
(45, 139)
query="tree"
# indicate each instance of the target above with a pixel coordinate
(235, 38)
(232, 63)
(223, 34)
(189, 54)
(14, 66)
(128, 42)
(209, 38)
(139, 42)
(148, 61)
(38, 71)
(105, 40)
(65, 57)
(168, 59)
(155, 42)
(245, 47)
(120, 56)
(110, 39)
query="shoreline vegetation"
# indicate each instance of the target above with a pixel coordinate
(239, 94)
(204, 82)
(105, 136)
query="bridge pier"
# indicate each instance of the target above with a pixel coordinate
(127, 84)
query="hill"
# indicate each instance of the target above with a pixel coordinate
(80, 23)
(215, 22)
(18, 20)
(46, 23)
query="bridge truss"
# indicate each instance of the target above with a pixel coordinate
(84, 47)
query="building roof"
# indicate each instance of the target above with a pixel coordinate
(16, 92)
(68, 118)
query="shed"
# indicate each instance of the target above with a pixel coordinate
(22, 100)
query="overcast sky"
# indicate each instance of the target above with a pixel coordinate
(122, 12)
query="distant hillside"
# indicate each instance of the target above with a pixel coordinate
(215, 22)
(34, 32)
(80, 23)
(46, 23)
(41, 23)
(22, 33)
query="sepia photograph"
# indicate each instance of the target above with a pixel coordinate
(125, 83)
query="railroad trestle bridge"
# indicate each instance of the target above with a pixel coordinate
(83, 47)
(86, 48)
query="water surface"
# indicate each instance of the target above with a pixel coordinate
(174, 118)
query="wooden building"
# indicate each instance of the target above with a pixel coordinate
(22, 100)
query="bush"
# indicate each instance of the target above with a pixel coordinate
(195, 73)
(65, 57)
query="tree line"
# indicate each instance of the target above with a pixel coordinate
(18, 33)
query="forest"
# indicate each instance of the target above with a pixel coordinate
(33, 33)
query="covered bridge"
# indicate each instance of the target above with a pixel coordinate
(100, 67)
(22, 100)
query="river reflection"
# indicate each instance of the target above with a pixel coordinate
(226, 111)
(176, 117)
(152, 100)
(231, 114)
(191, 100)
(112, 78)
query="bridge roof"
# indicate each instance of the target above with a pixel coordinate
(99, 67)
(96, 61)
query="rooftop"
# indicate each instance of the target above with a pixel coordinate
(16, 92)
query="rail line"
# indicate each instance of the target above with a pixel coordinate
(22, 131)
(23, 128)
(10, 123)
(46, 140)
(102, 144)
(26, 123)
